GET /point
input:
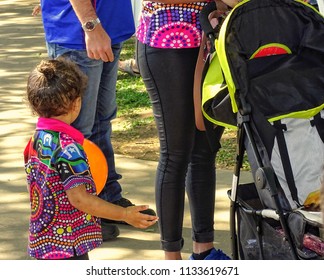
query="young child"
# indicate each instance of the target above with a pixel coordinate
(64, 221)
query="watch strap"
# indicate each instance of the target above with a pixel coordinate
(90, 24)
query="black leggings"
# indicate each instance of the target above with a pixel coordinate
(187, 161)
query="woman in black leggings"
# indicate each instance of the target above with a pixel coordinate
(187, 160)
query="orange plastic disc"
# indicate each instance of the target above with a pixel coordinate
(98, 164)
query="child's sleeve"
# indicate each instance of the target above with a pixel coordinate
(73, 168)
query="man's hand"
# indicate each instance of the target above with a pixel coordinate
(98, 44)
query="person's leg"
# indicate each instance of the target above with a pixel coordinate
(168, 77)
(102, 79)
(98, 107)
(88, 115)
(201, 182)
(129, 66)
(102, 129)
(93, 69)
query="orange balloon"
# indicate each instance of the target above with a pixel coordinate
(98, 164)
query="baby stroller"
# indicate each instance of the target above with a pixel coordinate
(264, 76)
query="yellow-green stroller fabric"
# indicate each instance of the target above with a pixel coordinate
(275, 83)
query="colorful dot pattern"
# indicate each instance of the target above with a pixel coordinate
(57, 230)
(170, 26)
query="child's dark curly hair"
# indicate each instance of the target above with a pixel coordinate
(53, 86)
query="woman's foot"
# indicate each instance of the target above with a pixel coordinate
(213, 255)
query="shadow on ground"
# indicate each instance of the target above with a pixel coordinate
(21, 48)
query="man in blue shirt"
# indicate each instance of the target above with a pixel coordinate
(91, 33)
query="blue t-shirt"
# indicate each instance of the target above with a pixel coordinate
(62, 26)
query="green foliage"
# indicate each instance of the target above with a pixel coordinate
(128, 50)
(131, 94)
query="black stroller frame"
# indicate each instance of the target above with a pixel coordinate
(277, 229)
(264, 176)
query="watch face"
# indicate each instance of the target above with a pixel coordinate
(89, 25)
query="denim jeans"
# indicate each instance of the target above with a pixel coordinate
(187, 159)
(98, 107)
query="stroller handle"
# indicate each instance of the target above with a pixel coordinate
(269, 213)
(205, 23)
(265, 213)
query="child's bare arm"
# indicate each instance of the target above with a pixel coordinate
(96, 206)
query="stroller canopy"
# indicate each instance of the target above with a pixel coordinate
(271, 55)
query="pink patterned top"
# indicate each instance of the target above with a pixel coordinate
(170, 26)
(56, 162)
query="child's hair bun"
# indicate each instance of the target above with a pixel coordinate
(47, 70)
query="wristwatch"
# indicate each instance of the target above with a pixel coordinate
(91, 24)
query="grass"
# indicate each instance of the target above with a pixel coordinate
(132, 99)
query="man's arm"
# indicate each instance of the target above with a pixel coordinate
(98, 42)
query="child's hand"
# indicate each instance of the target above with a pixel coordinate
(134, 217)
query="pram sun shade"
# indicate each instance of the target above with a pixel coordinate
(266, 78)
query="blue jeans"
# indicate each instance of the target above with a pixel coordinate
(98, 107)
(187, 156)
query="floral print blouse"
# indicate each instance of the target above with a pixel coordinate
(170, 26)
